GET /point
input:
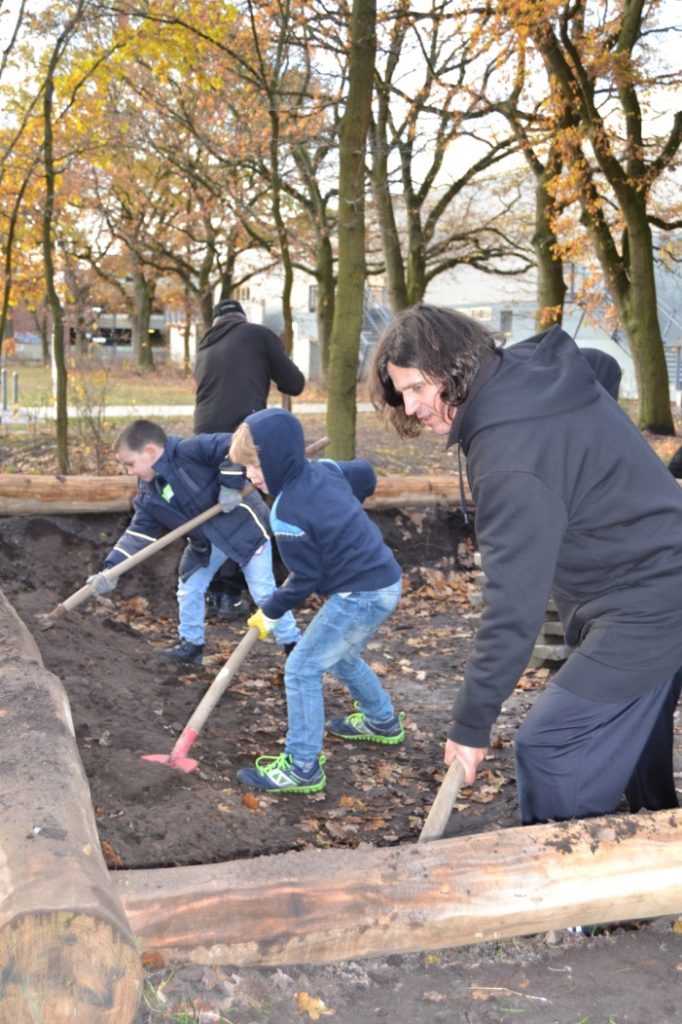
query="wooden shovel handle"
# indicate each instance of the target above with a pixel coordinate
(441, 809)
(221, 681)
(117, 570)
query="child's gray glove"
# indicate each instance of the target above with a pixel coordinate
(228, 499)
(102, 584)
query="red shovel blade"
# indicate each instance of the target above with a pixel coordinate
(185, 764)
(176, 758)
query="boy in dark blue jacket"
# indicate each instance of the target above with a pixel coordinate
(177, 479)
(332, 548)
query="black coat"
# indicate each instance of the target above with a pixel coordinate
(236, 362)
(570, 501)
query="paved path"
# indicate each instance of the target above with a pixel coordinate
(38, 413)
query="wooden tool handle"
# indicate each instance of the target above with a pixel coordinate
(316, 446)
(221, 681)
(441, 809)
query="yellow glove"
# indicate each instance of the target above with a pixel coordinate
(262, 623)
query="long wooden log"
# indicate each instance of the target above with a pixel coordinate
(321, 906)
(55, 495)
(66, 950)
(62, 495)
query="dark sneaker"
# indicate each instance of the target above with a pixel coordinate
(212, 604)
(288, 648)
(190, 654)
(281, 775)
(232, 607)
(358, 727)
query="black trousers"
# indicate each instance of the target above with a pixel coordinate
(228, 580)
(576, 757)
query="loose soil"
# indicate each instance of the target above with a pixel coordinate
(128, 700)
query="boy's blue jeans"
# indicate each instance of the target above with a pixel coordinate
(259, 579)
(332, 643)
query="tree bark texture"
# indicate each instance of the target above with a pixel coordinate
(66, 950)
(143, 291)
(321, 906)
(345, 339)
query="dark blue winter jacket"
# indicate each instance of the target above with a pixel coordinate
(325, 538)
(188, 477)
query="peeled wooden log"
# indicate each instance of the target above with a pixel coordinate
(61, 495)
(415, 491)
(321, 906)
(55, 495)
(66, 950)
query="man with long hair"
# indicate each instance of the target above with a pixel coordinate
(570, 502)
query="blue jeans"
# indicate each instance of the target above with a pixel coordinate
(259, 579)
(332, 643)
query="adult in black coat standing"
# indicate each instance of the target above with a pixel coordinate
(235, 365)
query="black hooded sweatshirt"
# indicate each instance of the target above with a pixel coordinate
(571, 502)
(235, 363)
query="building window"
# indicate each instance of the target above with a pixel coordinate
(312, 298)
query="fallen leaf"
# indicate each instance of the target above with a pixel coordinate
(152, 960)
(250, 801)
(352, 801)
(315, 1008)
(113, 859)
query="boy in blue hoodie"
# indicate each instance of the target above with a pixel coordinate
(177, 479)
(332, 548)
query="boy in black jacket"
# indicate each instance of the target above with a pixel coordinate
(177, 479)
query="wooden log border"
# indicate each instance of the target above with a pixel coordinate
(320, 906)
(63, 495)
(66, 949)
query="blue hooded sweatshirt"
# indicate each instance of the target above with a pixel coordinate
(325, 538)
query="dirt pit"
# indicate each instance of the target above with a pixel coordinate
(128, 700)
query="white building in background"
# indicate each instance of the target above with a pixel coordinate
(262, 305)
(505, 304)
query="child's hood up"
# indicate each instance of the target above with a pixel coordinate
(281, 446)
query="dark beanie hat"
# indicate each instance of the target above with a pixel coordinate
(226, 306)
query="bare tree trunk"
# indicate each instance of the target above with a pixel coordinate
(639, 311)
(143, 292)
(345, 339)
(551, 284)
(396, 286)
(7, 268)
(325, 300)
(58, 360)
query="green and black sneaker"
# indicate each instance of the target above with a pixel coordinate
(358, 726)
(281, 774)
